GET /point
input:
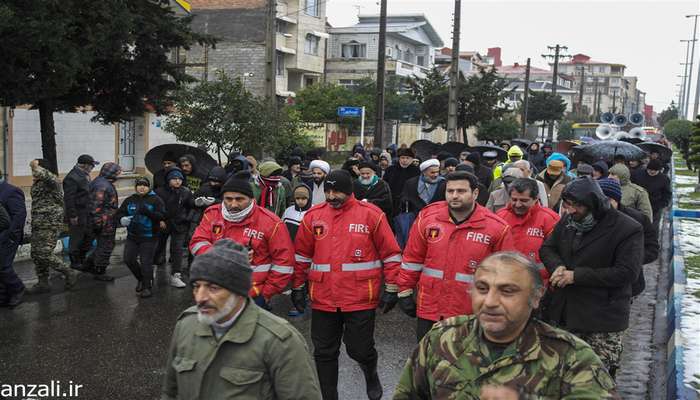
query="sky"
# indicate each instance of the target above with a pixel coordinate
(643, 35)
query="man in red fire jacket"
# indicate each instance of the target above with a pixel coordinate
(447, 242)
(529, 222)
(238, 218)
(344, 247)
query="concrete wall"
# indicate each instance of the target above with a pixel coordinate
(75, 135)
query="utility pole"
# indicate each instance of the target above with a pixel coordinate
(526, 98)
(557, 49)
(580, 92)
(454, 76)
(690, 69)
(271, 70)
(614, 106)
(594, 109)
(681, 106)
(597, 107)
(686, 81)
(381, 74)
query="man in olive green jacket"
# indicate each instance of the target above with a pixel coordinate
(226, 347)
(633, 196)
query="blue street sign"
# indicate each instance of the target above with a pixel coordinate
(349, 111)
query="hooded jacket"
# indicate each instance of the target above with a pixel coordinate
(76, 195)
(104, 199)
(514, 151)
(606, 261)
(232, 168)
(178, 203)
(294, 214)
(396, 176)
(602, 166)
(658, 187)
(633, 196)
(146, 212)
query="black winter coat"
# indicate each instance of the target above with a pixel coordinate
(658, 187)
(12, 200)
(379, 195)
(485, 175)
(606, 262)
(651, 245)
(411, 201)
(76, 195)
(396, 177)
(178, 204)
(4, 219)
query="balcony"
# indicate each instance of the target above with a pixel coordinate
(404, 68)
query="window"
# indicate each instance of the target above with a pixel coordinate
(280, 63)
(354, 49)
(589, 79)
(615, 82)
(588, 89)
(398, 52)
(312, 8)
(348, 83)
(311, 44)
(420, 60)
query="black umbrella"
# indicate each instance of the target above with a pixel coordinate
(154, 157)
(454, 148)
(607, 150)
(633, 140)
(502, 155)
(425, 149)
(651, 147)
(524, 144)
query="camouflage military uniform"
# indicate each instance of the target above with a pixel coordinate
(47, 221)
(453, 362)
(607, 346)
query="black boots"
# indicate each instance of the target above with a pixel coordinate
(374, 387)
(146, 286)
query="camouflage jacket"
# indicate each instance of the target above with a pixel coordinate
(47, 199)
(453, 362)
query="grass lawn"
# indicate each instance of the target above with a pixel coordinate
(684, 185)
(689, 206)
(686, 172)
(692, 266)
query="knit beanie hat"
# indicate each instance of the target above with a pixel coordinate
(654, 165)
(451, 162)
(584, 169)
(611, 188)
(269, 168)
(142, 181)
(225, 264)
(174, 173)
(465, 168)
(339, 180)
(474, 158)
(238, 185)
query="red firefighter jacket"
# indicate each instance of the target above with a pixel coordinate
(264, 233)
(344, 253)
(440, 258)
(530, 231)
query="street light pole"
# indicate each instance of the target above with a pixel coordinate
(381, 74)
(454, 77)
(686, 85)
(690, 73)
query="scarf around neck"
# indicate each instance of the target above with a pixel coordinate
(268, 195)
(236, 216)
(582, 226)
(371, 183)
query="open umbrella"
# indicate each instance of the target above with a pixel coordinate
(454, 148)
(633, 140)
(502, 155)
(524, 144)
(607, 150)
(154, 157)
(566, 145)
(425, 149)
(651, 147)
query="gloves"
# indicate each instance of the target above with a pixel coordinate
(406, 303)
(125, 221)
(204, 201)
(299, 298)
(389, 298)
(262, 303)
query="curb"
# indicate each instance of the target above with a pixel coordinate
(24, 251)
(675, 370)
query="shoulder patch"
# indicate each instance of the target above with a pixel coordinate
(275, 325)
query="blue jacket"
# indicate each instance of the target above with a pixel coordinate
(146, 212)
(12, 199)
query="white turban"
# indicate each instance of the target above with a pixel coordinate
(429, 163)
(322, 165)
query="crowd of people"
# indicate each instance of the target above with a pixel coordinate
(520, 274)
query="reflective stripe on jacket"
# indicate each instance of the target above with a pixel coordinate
(264, 233)
(344, 253)
(441, 257)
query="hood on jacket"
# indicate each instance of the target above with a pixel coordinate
(245, 165)
(305, 187)
(586, 191)
(174, 173)
(270, 168)
(515, 151)
(192, 159)
(217, 174)
(622, 172)
(110, 171)
(561, 157)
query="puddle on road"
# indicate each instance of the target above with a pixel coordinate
(689, 231)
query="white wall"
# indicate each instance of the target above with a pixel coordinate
(75, 135)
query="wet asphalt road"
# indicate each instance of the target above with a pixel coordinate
(102, 336)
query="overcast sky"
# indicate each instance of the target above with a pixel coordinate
(643, 35)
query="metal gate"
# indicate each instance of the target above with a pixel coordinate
(127, 146)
